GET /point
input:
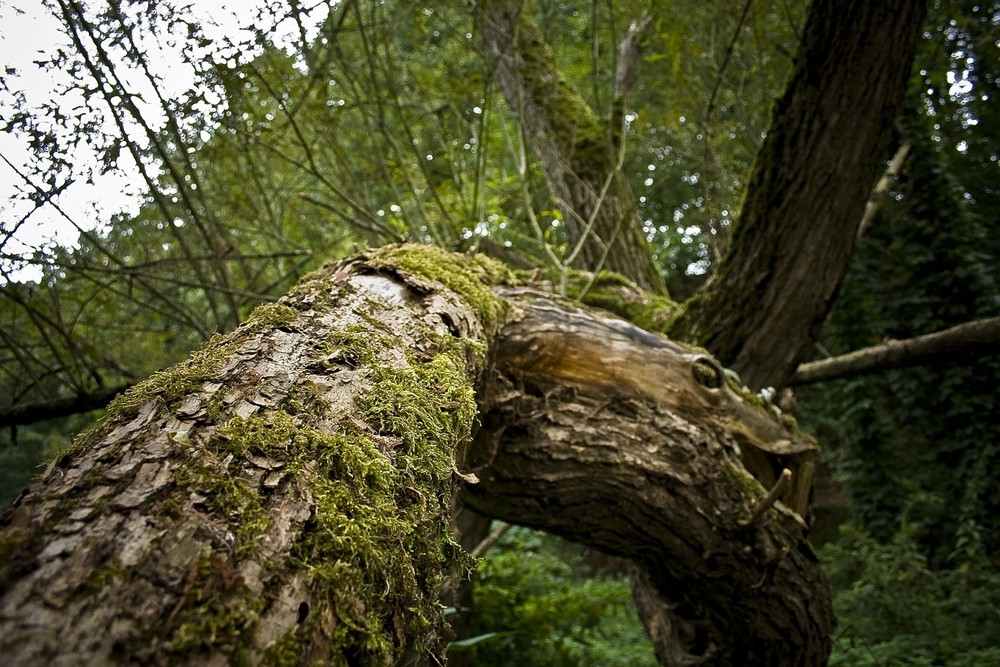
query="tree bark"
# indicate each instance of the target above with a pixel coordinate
(285, 496)
(607, 435)
(809, 188)
(576, 147)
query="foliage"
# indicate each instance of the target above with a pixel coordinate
(913, 437)
(538, 602)
(19, 459)
(894, 609)
(379, 122)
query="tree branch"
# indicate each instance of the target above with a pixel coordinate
(959, 343)
(607, 435)
(29, 413)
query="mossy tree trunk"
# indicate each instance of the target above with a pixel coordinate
(285, 496)
(576, 147)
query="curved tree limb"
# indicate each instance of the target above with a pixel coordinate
(602, 433)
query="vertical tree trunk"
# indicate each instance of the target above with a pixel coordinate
(575, 146)
(829, 136)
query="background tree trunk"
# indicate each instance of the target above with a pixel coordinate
(828, 138)
(575, 146)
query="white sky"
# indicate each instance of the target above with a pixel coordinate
(27, 33)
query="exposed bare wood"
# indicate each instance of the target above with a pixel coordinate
(878, 194)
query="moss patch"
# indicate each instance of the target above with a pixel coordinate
(470, 276)
(379, 545)
(217, 613)
(576, 129)
(751, 489)
(615, 293)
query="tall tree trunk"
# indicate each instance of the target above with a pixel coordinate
(577, 148)
(828, 139)
(286, 494)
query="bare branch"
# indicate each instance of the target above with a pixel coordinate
(878, 194)
(959, 343)
(29, 413)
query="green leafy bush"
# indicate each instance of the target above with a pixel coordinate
(538, 602)
(893, 609)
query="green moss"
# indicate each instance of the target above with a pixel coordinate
(748, 485)
(617, 294)
(379, 545)
(748, 396)
(231, 500)
(422, 410)
(174, 383)
(215, 616)
(283, 653)
(305, 400)
(470, 276)
(178, 381)
(652, 313)
(268, 315)
(577, 130)
(101, 578)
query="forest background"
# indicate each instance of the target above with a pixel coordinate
(328, 127)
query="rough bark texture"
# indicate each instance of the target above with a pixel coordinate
(283, 497)
(812, 179)
(575, 147)
(607, 435)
